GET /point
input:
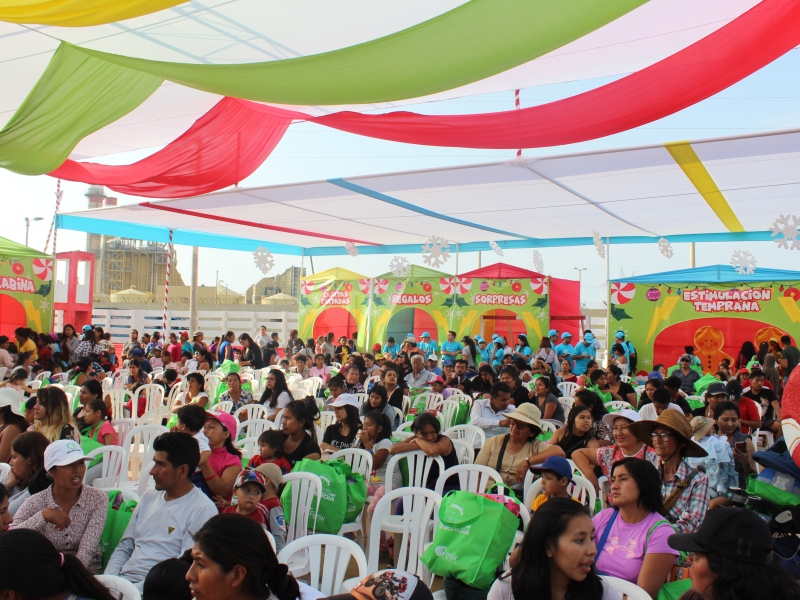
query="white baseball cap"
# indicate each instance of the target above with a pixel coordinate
(346, 400)
(62, 453)
(625, 413)
(11, 397)
(433, 357)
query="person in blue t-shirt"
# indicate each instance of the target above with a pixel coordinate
(451, 349)
(584, 352)
(565, 349)
(523, 348)
(391, 348)
(619, 337)
(483, 351)
(427, 345)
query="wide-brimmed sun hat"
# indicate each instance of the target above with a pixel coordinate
(674, 421)
(527, 413)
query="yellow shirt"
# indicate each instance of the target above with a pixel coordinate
(542, 498)
(29, 346)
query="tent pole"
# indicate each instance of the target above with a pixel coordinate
(456, 260)
(691, 255)
(368, 343)
(608, 297)
(193, 293)
(479, 259)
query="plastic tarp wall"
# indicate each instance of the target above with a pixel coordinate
(713, 309)
(26, 288)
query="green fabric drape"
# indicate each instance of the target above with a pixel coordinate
(84, 90)
(76, 96)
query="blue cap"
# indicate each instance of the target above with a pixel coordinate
(87, 328)
(410, 336)
(566, 335)
(495, 336)
(425, 334)
(552, 332)
(478, 338)
(619, 334)
(558, 464)
(588, 337)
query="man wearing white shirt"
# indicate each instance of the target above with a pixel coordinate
(419, 376)
(487, 413)
(660, 403)
(262, 339)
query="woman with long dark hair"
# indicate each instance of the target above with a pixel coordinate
(600, 431)
(69, 343)
(745, 355)
(52, 415)
(251, 355)
(298, 427)
(556, 558)
(40, 572)
(276, 395)
(577, 433)
(343, 433)
(12, 421)
(6, 518)
(481, 384)
(27, 476)
(632, 536)
(470, 352)
(194, 392)
(205, 362)
(233, 560)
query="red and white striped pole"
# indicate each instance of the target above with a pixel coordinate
(170, 250)
(516, 106)
(53, 230)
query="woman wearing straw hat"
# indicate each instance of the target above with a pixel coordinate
(513, 453)
(685, 490)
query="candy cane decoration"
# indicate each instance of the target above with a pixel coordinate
(516, 104)
(170, 250)
(53, 231)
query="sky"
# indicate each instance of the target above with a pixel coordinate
(768, 100)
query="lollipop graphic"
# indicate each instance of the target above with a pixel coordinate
(43, 268)
(380, 285)
(539, 286)
(308, 287)
(462, 284)
(622, 293)
(363, 285)
(446, 284)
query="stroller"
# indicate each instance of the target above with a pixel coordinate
(778, 507)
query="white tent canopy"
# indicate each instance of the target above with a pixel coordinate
(735, 191)
(225, 32)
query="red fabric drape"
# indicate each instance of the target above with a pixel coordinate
(220, 149)
(232, 140)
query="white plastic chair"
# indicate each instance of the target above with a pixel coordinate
(5, 469)
(122, 427)
(226, 406)
(112, 474)
(138, 446)
(248, 446)
(566, 403)
(41, 376)
(449, 412)
(468, 433)
(154, 395)
(360, 461)
(398, 414)
(253, 428)
(626, 588)
(72, 392)
(419, 467)
(124, 589)
(618, 405)
(414, 528)
(581, 489)
(547, 425)
(174, 392)
(313, 385)
(326, 559)
(251, 411)
(472, 478)
(568, 388)
(278, 419)
(405, 427)
(639, 389)
(464, 451)
(118, 400)
(3, 371)
(107, 384)
(34, 385)
(306, 487)
(432, 401)
(326, 419)
(361, 397)
(625, 378)
(156, 416)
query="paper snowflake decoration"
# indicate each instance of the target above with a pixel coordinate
(399, 266)
(665, 248)
(538, 261)
(44, 305)
(351, 249)
(598, 244)
(496, 247)
(435, 251)
(743, 262)
(263, 259)
(647, 362)
(454, 313)
(787, 227)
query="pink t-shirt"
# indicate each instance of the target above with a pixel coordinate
(105, 429)
(322, 373)
(221, 460)
(624, 550)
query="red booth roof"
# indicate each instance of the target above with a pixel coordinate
(501, 271)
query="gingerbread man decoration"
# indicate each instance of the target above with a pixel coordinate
(709, 341)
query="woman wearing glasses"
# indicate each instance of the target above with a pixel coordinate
(625, 446)
(684, 489)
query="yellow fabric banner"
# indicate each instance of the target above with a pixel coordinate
(78, 13)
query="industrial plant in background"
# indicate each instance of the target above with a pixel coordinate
(123, 264)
